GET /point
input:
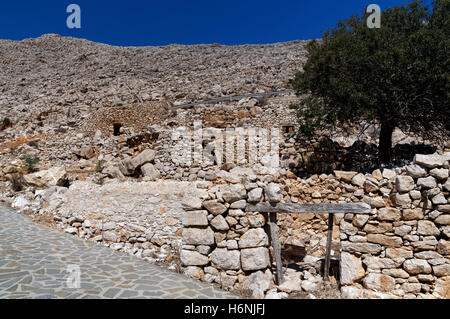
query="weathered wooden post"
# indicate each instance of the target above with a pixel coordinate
(276, 246)
(328, 248)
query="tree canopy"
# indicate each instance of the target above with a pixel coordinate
(397, 75)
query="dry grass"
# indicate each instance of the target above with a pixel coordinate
(45, 219)
(21, 141)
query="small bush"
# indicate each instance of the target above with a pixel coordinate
(17, 182)
(100, 166)
(31, 160)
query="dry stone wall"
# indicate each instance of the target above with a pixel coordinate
(224, 244)
(402, 249)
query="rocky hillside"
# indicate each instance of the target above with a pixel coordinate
(53, 72)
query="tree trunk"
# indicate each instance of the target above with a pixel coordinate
(385, 144)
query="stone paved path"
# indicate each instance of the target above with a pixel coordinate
(34, 263)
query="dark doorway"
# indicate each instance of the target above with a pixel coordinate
(117, 127)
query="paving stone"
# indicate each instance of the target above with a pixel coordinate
(34, 261)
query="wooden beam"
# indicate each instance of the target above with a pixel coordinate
(276, 246)
(331, 208)
(328, 248)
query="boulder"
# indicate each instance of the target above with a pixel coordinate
(55, 176)
(129, 166)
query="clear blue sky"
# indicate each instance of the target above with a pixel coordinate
(149, 22)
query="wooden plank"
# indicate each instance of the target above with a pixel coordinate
(331, 208)
(328, 248)
(276, 246)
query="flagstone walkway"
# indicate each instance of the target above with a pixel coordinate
(35, 262)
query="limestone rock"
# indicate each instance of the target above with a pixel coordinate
(233, 193)
(379, 282)
(191, 203)
(220, 223)
(225, 259)
(344, 176)
(351, 269)
(55, 176)
(404, 184)
(358, 180)
(195, 218)
(389, 214)
(214, 207)
(273, 193)
(149, 172)
(439, 173)
(255, 237)
(442, 270)
(130, 165)
(198, 236)
(417, 266)
(255, 195)
(255, 258)
(385, 240)
(427, 228)
(429, 161)
(415, 171)
(402, 200)
(193, 258)
(427, 183)
(367, 248)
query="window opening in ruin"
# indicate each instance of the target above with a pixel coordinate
(117, 127)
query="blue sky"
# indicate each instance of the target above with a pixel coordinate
(140, 22)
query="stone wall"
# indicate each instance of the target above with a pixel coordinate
(224, 244)
(401, 250)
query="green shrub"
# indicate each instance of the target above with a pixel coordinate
(31, 160)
